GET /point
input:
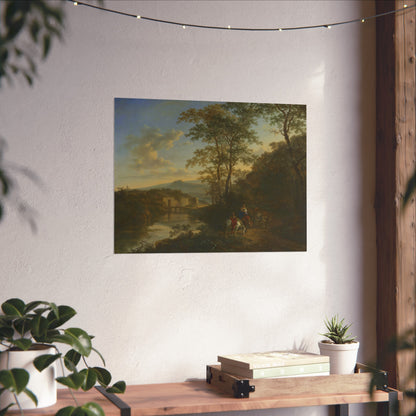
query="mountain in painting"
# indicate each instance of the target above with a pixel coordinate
(194, 188)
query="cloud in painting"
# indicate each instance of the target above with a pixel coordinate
(144, 150)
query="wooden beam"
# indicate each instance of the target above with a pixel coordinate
(395, 164)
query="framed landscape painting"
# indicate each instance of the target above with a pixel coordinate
(198, 176)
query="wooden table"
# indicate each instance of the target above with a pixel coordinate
(197, 396)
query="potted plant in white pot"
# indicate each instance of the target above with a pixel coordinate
(341, 347)
(31, 336)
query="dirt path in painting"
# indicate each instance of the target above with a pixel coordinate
(267, 239)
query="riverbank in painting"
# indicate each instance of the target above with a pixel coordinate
(169, 226)
(169, 221)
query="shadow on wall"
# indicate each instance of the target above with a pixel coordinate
(350, 217)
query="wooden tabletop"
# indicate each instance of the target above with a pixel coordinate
(199, 397)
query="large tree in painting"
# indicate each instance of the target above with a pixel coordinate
(227, 137)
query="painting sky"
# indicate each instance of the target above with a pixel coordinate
(151, 147)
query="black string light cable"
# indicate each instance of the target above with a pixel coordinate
(245, 29)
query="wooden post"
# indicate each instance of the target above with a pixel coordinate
(395, 164)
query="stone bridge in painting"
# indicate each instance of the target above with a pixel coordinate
(178, 205)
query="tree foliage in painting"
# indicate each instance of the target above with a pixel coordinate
(227, 136)
(289, 120)
(272, 182)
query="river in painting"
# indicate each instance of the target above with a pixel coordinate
(131, 240)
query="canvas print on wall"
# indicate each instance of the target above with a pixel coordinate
(194, 176)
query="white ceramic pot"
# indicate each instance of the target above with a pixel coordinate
(342, 357)
(42, 384)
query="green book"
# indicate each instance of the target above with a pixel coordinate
(274, 372)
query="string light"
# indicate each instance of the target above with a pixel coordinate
(279, 29)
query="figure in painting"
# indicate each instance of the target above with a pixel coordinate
(244, 217)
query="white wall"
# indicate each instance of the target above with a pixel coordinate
(163, 317)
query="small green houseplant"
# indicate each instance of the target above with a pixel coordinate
(337, 331)
(340, 346)
(26, 327)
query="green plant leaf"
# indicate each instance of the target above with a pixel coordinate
(33, 305)
(54, 309)
(71, 359)
(14, 380)
(59, 315)
(13, 307)
(39, 327)
(22, 343)
(22, 325)
(119, 387)
(44, 361)
(73, 381)
(88, 409)
(65, 411)
(98, 353)
(4, 411)
(90, 379)
(6, 332)
(31, 396)
(103, 376)
(78, 339)
(93, 409)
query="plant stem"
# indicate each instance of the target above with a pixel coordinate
(18, 403)
(63, 373)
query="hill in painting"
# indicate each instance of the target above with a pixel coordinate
(194, 188)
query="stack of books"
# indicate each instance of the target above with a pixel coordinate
(275, 364)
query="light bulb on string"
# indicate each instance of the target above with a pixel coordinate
(405, 8)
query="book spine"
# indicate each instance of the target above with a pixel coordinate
(293, 370)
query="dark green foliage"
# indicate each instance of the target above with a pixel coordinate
(25, 326)
(27, 30)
